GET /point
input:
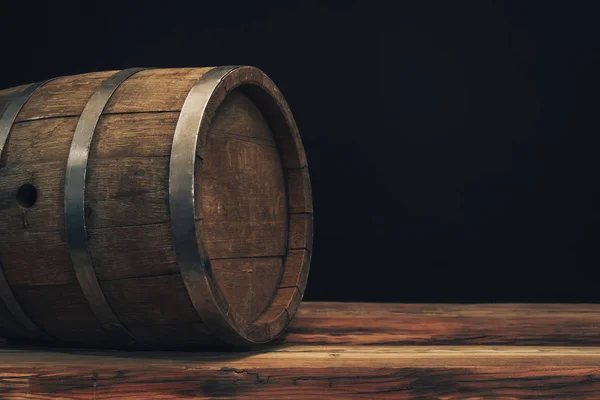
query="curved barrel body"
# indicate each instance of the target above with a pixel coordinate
(152, 208)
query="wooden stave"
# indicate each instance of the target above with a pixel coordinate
(113, 109)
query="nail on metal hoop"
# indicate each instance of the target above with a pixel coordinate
(6, 123)
(74, 206)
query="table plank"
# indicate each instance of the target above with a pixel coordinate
(306, 372)
(353, 351)
(437, 324)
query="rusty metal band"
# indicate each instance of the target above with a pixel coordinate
(193, 260)
(6, 123)
(74, 207)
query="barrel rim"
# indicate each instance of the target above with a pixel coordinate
(200, 106)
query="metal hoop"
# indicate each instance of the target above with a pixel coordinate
(74, 206)
(193, 262)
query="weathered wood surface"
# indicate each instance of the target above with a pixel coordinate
(253, 211)
(445, 324)
(305, 372)
(354, 351)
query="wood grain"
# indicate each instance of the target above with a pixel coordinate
(48, 178)
(305, 372)
(361, 352)
(445, 324)
(40, 141)
(299, 191)
(242, 185)
(141, 301)
(296, 271)
(135, 251)
(301, 232)
(117, 187)
(154, 90)
(243, 201)
(243, 205)
(249, 283)
(65, 96)
(134, 135)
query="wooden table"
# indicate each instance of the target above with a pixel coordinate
(336, 350)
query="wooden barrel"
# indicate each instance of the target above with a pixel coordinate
(160, 208)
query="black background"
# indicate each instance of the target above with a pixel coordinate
(451, 144)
